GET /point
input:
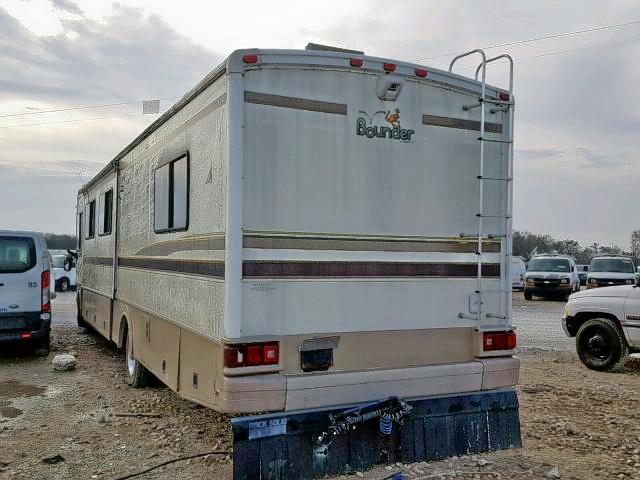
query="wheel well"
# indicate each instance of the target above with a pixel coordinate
(574, 323)
(124, 331)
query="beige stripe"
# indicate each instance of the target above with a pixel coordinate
(365, 245)
(183, 245)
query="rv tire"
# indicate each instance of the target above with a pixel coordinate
(137, 374)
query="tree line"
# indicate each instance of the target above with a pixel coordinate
(525, 243)
(60, 241)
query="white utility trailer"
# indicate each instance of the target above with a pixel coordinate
(307, 229)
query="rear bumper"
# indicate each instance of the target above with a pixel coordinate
(552, 290)
(277, 392)
(34, 323)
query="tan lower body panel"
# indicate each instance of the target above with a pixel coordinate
(96, 311)
(312, 391)
(367, 366)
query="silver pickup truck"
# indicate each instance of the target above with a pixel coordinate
(605, 323)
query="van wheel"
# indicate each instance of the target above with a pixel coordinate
(41, 348)
(64, 285)
(527, 295)
(601, 344)
(137, 374)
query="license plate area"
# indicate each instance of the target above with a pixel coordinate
(12, 323)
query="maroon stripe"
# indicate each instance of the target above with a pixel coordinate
(366, 269)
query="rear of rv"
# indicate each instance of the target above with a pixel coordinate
(352, 253)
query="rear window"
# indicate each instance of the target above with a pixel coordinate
(17, 254)
(57, 261)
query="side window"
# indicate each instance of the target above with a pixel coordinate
(91, 227)
(105, 213)
(171, 196)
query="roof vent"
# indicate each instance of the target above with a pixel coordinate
(328, 48)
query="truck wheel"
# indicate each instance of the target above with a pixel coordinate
(601, 344)
(137, 374)
(527, 295)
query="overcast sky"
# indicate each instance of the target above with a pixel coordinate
(577, 121)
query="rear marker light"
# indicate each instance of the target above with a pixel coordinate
(494, 341)
(356, 62)
(420, 72)
(25, 335)
(389, 67)
(251, 355)
(504, 96)
(250, 58)
(45, 284)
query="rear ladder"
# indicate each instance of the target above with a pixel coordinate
(505, 106)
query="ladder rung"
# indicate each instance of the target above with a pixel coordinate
(495, 291)
(482, 215)
(482, 139)
(467, 316)
(498, 235)
(493, 315)
(497, 102)
(504, 179)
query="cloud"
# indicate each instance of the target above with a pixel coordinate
(595, 160)
(127, 56)
(67, 6)
(538, 153)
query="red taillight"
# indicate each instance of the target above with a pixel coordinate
(251, 355)
(504, 96)
(492, 341)
(254, 355)
(421, 72)
(356, 62)
(389, 67)
(45, 284)
(271, 354)
(25, 335)
(250, 58)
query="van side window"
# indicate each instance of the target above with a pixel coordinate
(105, 213)
(171, 196)
(91, 227)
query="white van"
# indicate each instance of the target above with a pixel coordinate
(518, 272)
(25, 289)
(65, 278)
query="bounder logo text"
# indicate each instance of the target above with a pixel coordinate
(365, 126)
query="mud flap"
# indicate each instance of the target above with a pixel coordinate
(288, 445)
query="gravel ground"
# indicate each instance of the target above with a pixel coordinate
(538, 324)
(584, 423)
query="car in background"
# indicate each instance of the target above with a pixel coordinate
(64, 273)
(551, 275)
(611, 270)
(25, 289)
(518, 271)
(605, 323)
(583, 271)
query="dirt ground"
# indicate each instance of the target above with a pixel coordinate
(584, 423)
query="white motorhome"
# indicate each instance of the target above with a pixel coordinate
(309, 228)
